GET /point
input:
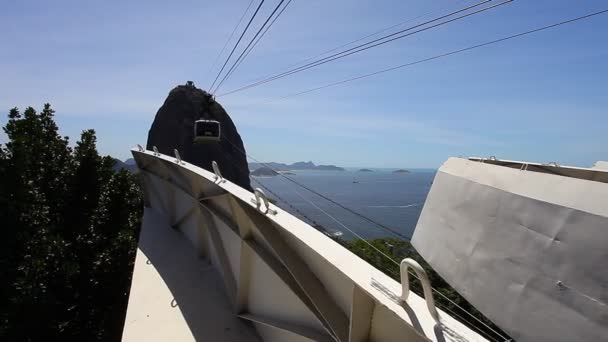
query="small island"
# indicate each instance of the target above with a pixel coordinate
(365, 170)
(264, 172)
(295, 166)
(328, 168)
(401, 171)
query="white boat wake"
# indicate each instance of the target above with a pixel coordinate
(394, 206)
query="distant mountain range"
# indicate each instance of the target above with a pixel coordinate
(295, 166)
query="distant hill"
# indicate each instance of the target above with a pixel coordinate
(123, 165)
(401, 171)
(295, 166)
(328, 168)
(303, 166)
(130, 161)
(264, 171)
(365, 170)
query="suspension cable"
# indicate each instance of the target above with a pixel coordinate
(396, 263)
(289, 67)
(241, 56)
(440, 55)
(378, 224)
(374, 43)
(229, 39)
(367, 242)
(237, 43)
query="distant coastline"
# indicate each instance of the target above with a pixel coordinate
(294, 167)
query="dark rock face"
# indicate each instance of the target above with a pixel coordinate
(173, 128)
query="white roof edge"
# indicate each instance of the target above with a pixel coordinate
(593, 168)
(346, 262)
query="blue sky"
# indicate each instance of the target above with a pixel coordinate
(109, 65)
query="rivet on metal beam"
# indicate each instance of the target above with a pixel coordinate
(260, 197)
(216, 170)
(178, 158)
(424, 280)
(155, 151)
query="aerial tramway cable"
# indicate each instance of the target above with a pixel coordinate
(364, 240)
(443, 55)
(251, 44)
(237, 43)
(229, 38)
(374, 43)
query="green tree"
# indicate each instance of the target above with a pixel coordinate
(69, 234)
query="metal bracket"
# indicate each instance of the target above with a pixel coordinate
(140, 148)
(155, 151)
(178, 158)
(260, 197)
(424, 280)
(552, 164)
(218, 175)
(524, 167)
(481, 160)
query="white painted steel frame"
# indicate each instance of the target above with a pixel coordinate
(288, 279)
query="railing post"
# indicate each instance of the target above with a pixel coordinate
(424, 280)
(260, 197)
(216, 169)
(178, 158)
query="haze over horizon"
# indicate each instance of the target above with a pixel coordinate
(110, 65)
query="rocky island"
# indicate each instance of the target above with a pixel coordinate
(173, 128)
(295, 166)
(401, 171)
(264, 172)
(365, 170)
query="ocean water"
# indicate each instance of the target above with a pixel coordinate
(394, 200)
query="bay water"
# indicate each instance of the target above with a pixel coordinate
(393, 199)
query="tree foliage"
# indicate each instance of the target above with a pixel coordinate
(68, 236)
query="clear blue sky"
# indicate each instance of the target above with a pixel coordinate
(109, 65)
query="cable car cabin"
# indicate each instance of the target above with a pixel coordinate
(206, 131)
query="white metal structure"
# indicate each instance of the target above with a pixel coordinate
(216, 262)
(525, 243)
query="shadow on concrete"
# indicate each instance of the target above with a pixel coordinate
(197, 288)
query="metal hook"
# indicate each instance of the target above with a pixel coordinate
(140, 148)
(216, 170)
(156, 153)
(260, 197)
(178, 159)
(424, 280)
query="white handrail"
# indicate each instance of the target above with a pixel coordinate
(424, 280)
